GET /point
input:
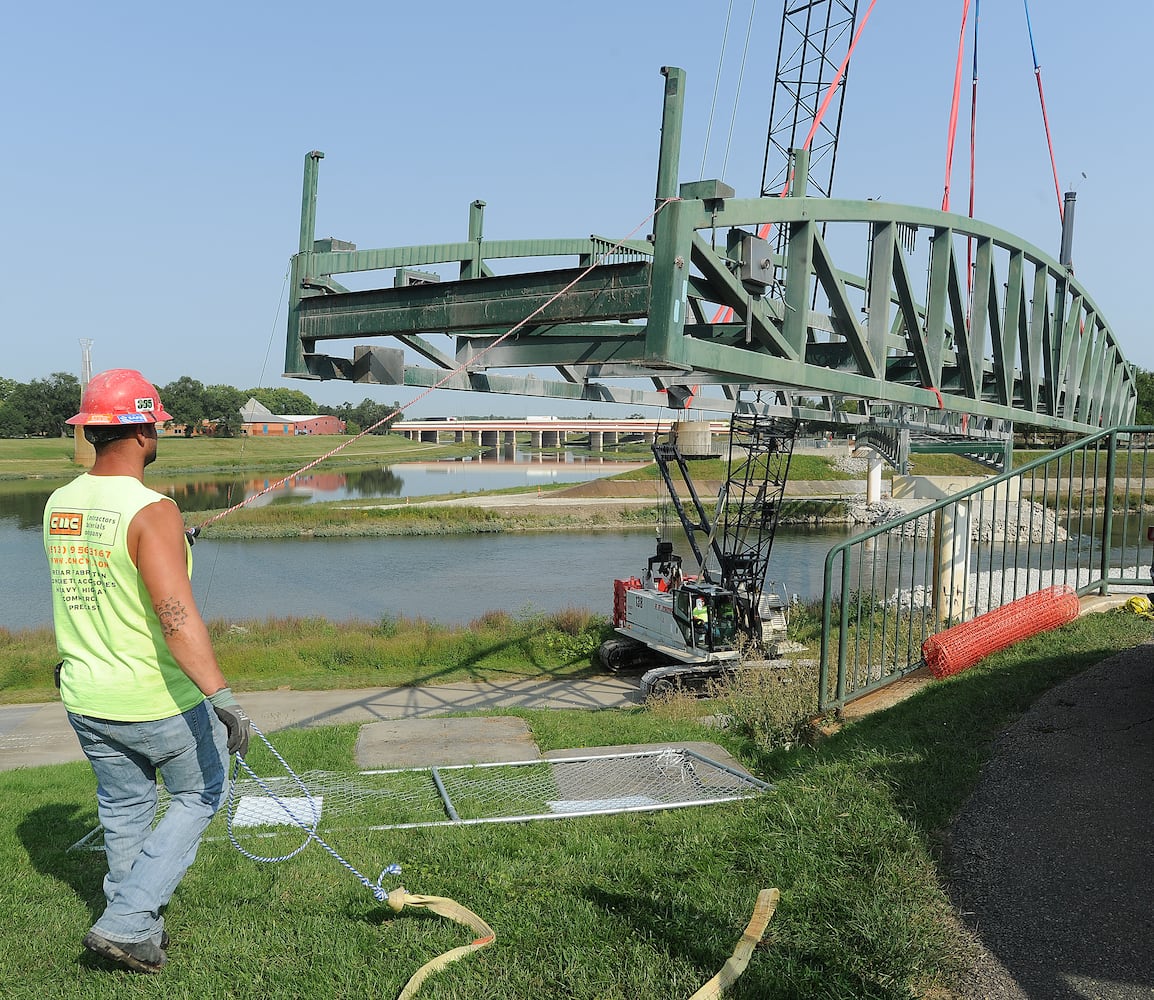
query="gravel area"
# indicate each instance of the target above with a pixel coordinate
(1050, 858)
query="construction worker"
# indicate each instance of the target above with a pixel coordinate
(138, 674)
(700, 615)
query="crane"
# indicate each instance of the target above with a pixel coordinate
(687, 629)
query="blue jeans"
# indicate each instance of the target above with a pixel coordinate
(145, 865)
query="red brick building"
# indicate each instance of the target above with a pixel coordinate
(259, 420)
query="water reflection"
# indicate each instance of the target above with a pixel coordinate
(26, 508)
(488, 470)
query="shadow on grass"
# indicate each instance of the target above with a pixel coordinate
(47, 831)
(929, 750)
(686, 933)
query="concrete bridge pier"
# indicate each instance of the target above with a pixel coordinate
(596, 440)
(488, 439)
(550, 439)
(535, 439)
(874, 478)
(430, 437)
(951, 562)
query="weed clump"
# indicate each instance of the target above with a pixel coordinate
(773, 707)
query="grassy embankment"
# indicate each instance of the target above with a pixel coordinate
(313, 654)
(603, 908)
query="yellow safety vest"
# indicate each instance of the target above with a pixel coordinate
(117, 664)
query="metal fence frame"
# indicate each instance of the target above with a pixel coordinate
(1077, 516)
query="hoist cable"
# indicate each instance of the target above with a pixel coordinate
(244, 439)
(973, 150)
(1045, 117)
(839, 76)
(725, 313)
(716, 88)
(737, 94)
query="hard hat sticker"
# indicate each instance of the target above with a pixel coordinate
(146, 404)
(132, 418)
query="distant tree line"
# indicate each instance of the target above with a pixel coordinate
(40, 407)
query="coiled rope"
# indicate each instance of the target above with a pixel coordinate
(398, 898)
(310, 828)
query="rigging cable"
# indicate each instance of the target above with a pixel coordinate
(598, 260)
(243, 441)
(716, 88)
(838, 78)
(954, 106)
(973, 150)
(1045, 117)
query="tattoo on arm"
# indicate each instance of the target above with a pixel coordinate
(172, 614)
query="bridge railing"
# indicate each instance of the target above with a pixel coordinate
(1078, 515)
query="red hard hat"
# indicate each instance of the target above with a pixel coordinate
(119, 396)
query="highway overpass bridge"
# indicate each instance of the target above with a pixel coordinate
(544, 432)
(702, 311)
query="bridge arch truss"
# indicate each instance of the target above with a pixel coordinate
(869, 312)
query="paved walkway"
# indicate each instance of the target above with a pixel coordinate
(32, 735)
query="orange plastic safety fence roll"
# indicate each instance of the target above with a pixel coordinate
(961, 646)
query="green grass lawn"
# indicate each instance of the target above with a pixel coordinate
(608, 908)
(52, 458)
(314, 654)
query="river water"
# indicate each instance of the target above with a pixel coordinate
(451, 579)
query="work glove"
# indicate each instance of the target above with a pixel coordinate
(234, 719)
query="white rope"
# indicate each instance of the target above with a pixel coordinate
(310, 828)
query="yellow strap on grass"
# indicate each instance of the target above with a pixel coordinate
(736, 963)
(399, 898)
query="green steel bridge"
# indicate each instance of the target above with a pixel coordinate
(857, 312)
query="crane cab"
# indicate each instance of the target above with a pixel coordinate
(706, 616)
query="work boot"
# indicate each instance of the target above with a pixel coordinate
(140, 956)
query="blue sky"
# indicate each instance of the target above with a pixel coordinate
(153, 161)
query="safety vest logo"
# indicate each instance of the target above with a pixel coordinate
(65, 523)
